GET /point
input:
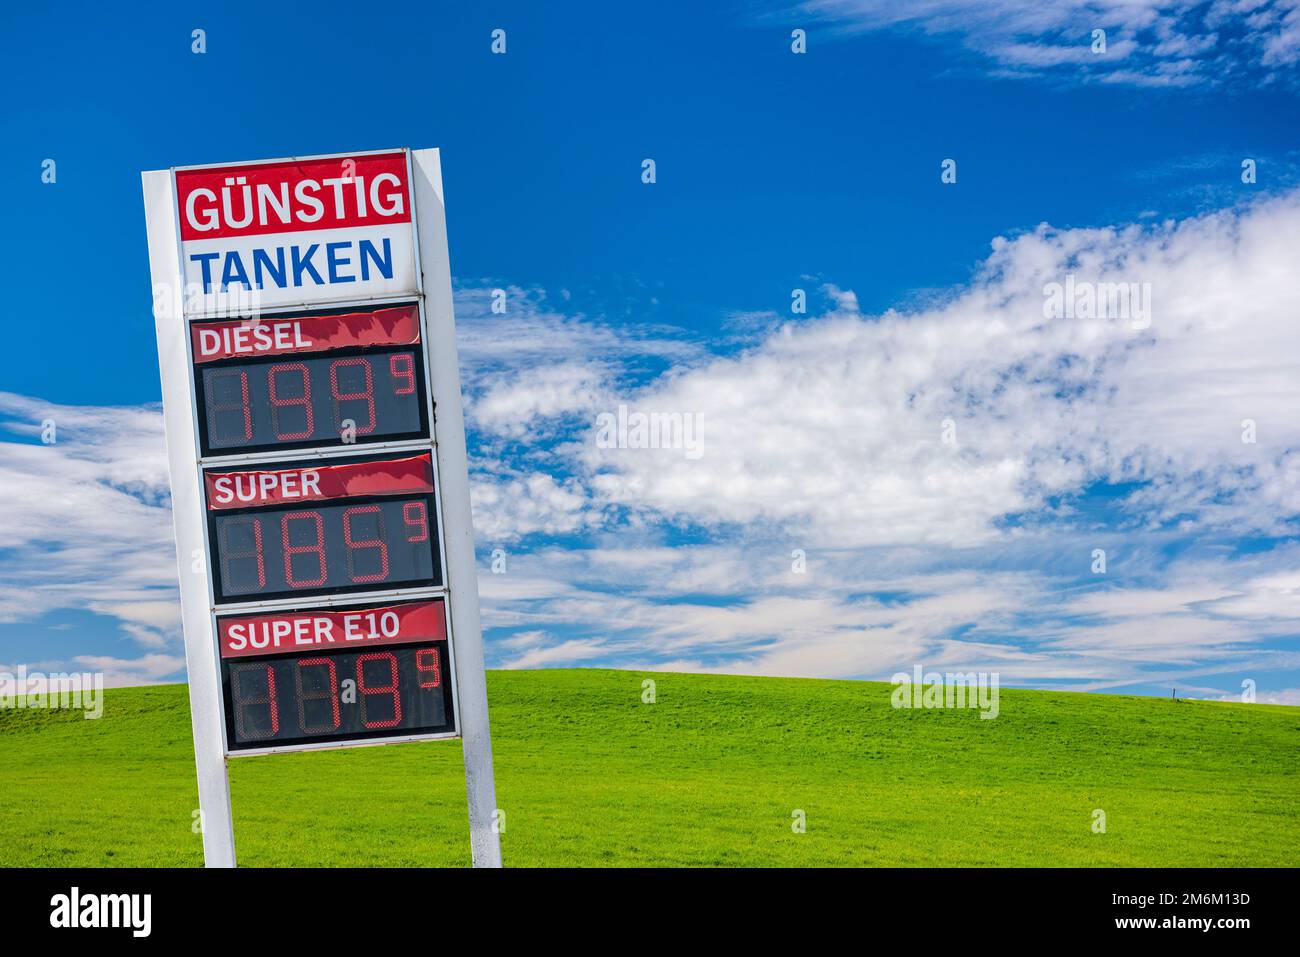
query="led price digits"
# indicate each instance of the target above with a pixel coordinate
(295, 550)
(320, 401)
(316, 696)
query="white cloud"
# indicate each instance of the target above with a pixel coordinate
(510, 506)
(1289, 696)
(827, 435)
(128, 672)
(85, 520)
(530, 333)
(564, 653)
(117, 672)
(1153, 43)
(834, 427)
(511, 404)
(643, 608)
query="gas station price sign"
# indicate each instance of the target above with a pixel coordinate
(322, 528)
(300, 381)
(305, 319)
(318, 676)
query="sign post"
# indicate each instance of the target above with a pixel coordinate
(316, 450)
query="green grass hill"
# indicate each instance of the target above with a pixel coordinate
(712, 773)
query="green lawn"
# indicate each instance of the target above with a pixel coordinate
(708, 775)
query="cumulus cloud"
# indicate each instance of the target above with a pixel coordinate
(85, 519)
(511, 405)
(1123, 432)
(942, 426)
(85, 523)
(510, 506)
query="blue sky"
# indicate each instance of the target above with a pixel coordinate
(775, 171)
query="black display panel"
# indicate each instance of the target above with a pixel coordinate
(362, 544)
(322, 697)
(300, 401)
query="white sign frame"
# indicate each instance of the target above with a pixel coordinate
(447, 442)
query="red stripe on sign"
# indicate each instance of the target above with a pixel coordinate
(293, 196)
(325, 631)
(398, 326)
(316, 483)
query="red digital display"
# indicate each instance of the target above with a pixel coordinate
(330, 675)
(295, 381)
(320, 529)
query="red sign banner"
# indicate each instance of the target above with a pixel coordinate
(212, 341)
(293, 196)
(325, 631)
(317, 483)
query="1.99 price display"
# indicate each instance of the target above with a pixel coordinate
(312, 402)
(307, 381)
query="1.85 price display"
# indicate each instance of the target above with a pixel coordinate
(312, 551)
(356, 525)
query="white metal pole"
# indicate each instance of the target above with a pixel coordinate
(201, 662)
(453, 466)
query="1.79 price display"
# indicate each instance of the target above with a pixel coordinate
(329, 674)
(382, 692)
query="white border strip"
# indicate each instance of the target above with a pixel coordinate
(188, 518)
(461, 570)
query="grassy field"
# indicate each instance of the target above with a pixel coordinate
(708, 775)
